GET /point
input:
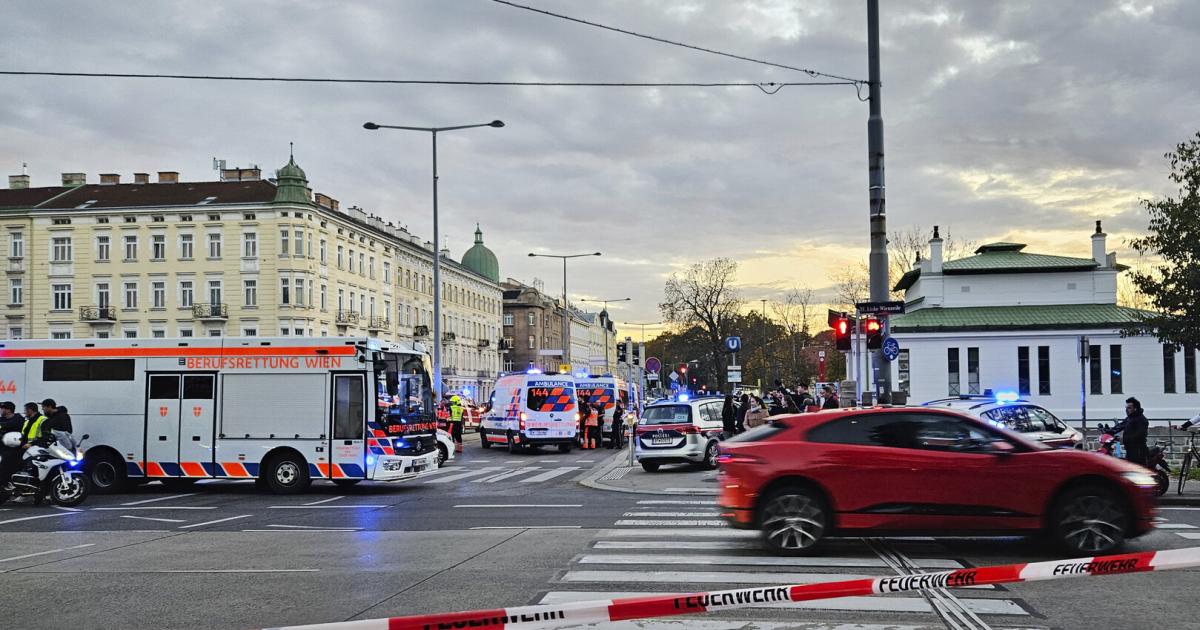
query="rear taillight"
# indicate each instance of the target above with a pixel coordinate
(691, 429)
(736, 458)
(521, 421)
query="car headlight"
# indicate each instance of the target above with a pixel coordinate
(1144, 480)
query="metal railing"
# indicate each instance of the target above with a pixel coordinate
(420, 331)
(379, 323)
(210, 311)
(484, 343)
(97, 313)
(347, 317)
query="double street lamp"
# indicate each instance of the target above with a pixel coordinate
(607, 365)
(566, 332)
(437, 267)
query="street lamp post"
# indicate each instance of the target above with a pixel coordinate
(607, 365)
(566, 334)
(437, 267)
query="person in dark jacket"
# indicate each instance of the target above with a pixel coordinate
(10, 458)
(57, 418)
(803, 399)
(830, 400)
(729, 416)
(617, 438)
(1134, 429)
(739, 420)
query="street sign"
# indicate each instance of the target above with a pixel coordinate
(734, 374)
(891, 349)
(564, 368)
(886, 308)
(733, 344)
(653, 364)
(674, 376)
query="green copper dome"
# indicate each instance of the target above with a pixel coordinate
(291, 184)
(480, 259)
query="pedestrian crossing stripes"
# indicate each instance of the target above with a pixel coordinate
(498, 474)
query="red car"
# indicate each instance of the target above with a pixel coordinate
(904, 470)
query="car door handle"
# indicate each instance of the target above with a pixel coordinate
(195, 438)
(348, 442)
(162, 438)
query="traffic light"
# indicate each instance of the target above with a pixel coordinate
(841, 333)
(683, 369)
(874, 331)
(622, 352)
(637, 354)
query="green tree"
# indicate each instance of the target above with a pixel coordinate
(1172, 286)
(704, 297)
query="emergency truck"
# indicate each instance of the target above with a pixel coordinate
(605, 390)
(531, 409)
(283, 411)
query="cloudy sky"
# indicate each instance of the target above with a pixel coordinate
(1015, 120)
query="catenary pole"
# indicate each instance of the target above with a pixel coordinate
(879, 255)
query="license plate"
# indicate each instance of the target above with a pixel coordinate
(661, 441)
(391, 465)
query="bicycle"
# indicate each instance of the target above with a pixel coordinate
(1189, 454)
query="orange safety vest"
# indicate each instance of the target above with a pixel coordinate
(593, 419)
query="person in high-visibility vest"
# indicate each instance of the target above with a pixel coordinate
(456, 422)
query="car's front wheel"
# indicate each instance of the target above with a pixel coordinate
(793, 520)
(443, 454)
(1090, 520)
(710, 455)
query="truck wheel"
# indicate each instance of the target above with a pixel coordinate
(483, 439)
(513, 447)
(286, 473)
(106, 472)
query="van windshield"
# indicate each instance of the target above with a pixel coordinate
(667, 414)
(550, 396)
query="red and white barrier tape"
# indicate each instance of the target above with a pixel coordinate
(667, 605)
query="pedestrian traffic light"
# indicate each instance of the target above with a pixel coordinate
(874, 331)
(622, 353)
(637, 354)
(841, 333)
(683, 368)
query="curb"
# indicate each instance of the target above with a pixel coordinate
(1178, 501)
(592, 480)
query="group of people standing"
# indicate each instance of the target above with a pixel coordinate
(591, 421)
(35, 426)
(749, 411)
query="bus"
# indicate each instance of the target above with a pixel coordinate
(283, 411)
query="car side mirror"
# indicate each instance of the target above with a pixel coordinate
(85, 436)
(1058, 428)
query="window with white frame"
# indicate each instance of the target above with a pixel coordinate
(158, 333)
(352, 261)
(324, 252)
(532, 319)
(187, 246)
(387, 272)
(158, 247)
(131, 333)
(131, 295)
(60, 334)
(185, 332)
(371, 268)
(250, 245)
(285, 242)
(324, 297)
(341, 299)
(285, 291)
(187, 293)
(214, 292)
(310, 245)
(299, 297)
(362, 303)
(62, 296)
(298, 237)
(16, 332)
(372, 306)
(532, 341)
(103, 334)
(214, 332)
(341, 253)
(61, 249)
(158, 294)
(214, 245)
(103, 248)
(16, 245)
(508, 319)
(250, 291)
(130, 241)
(361, 266)
(103, 295)
(249, 332)
(16, 291)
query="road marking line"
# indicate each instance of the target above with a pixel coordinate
(761, 561)
(851, 604)
(584, 461)
(301, 531)
(324, 501)
(1182, 509)
(523, 505)
(220, 520)
(1174, 526)
(1189, 535)
(693, 490)
(673, 523)
(676, 514)
(506, 475)
(699, 532)
(311, 527)
(153, 507)
(482, 471)
(151, 518)
(546, 476)
(677, 544)
(67, 509)
(46, 553)
(675, 502)
(324, 507)
(166, 498)
(31, 518)
(529, 527)
(230, 571)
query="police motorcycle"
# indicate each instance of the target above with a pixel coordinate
(51, 470)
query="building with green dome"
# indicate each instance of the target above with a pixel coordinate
(481, 260)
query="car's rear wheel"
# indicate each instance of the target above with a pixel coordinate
(513, 446)
(483, 439)
(1090, 520)
(649, 467)
(793, 520)
(710, 455)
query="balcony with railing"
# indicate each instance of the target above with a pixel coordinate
(345, 318)
(98, 314)
(484, 343)
(379, 324)
(448, 337)
(503, 344)
(210, 312)
(420, 331)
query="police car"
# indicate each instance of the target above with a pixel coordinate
(1008, 411)
(682, 430)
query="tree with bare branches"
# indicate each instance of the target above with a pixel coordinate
(703, 296)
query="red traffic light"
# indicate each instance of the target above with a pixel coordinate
(683, 368)
(841, 333)
(842, 327)
(873, 326)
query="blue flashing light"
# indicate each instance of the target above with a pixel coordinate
(533, 371)
(683, 398)
(401, 444)
(370, 460)
(581, 375)
(1006, 397)
(74, 463)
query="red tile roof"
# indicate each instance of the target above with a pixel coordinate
(27, 197)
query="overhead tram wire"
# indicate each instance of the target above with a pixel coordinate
(812, 73)
(767, 87)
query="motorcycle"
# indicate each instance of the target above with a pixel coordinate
(53, 471)
(1156, 462)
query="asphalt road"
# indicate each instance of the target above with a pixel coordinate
(495, 529)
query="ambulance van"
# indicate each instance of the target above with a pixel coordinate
(606, 390)
(531, 410)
